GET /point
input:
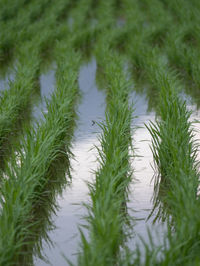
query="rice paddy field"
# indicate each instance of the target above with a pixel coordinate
(99, 132)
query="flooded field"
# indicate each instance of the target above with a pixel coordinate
(66, 236)
(99, 133)
(90, 111)
(46, 88)
(70, 217)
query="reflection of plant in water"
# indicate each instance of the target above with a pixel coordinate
(16, 102)
(161, 40)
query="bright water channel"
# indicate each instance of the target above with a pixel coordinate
(142, 188)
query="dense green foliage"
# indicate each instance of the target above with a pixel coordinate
(27, 190)
(160, 41)
(107, 211)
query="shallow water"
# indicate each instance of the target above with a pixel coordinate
(142, 188)
(47, 86)
(6, 79)
(195, 119)
(91, 110)
(121, 22)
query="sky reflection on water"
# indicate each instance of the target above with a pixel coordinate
(66, 236)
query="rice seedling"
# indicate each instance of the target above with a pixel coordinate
(107, 211)
(106, 12)
(158, 22)
(182, 9)
(94, 24)
(37, 17)
(185, 58)
(31, 31)
(12, 31)
(113, 35)
(181, 40)
(155, 66)
(9, 9)
(169, 87)
(49, 29)
(84, 32)
(175, 152)
(28, 187)
(173, 149)
(17, 99)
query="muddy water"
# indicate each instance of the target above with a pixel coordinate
(66, 237)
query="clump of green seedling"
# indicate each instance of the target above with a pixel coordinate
(107, 211)
(26, 190)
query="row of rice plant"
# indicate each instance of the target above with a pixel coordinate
(25, 188)
(36, 171)
(18, 98)
(177, 182)
(175, 153)
(11, 31)
(162, 30)
(138, 45)
(183, 50)
(9, 9)
(107, 213)
(82, 33)
(158, 33)
(38, 17)
(182, 40)
(16, 101)
(175, 27)
(176, 185)
(35, 204)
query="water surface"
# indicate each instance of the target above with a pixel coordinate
(142, 187)
(91, 110)
(5, 80)
(47, 86)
